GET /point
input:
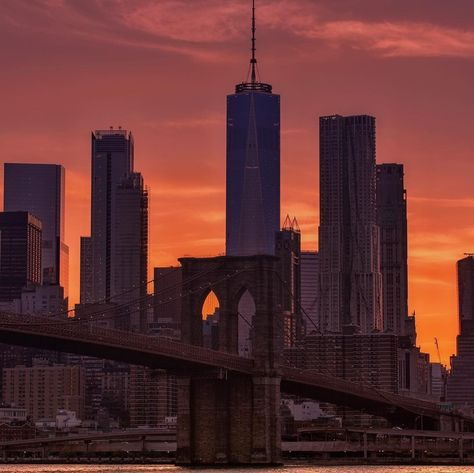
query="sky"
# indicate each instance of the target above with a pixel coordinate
(163, 68)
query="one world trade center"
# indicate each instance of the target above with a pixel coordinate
(253, 165)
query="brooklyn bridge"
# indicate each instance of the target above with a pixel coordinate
(228, 405)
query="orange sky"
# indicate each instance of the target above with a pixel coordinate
(163, 68)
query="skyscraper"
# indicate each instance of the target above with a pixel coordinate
(465, 270)
(20, 253)
(252, 165)
(392, 221)
(39, 189)
(129, 253)
(351, 283)
(460, 384)
(288, 249)
(112, 160)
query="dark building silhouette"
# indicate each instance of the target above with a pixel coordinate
(288, 249)
(112, 160)
(167, 298)
(129, 249)
(86, 279)
(460, 384)
(20, 253)
(253, 167)
(392, 221)
(465, 272)
(351, 283)
(310, 290)
(40, 190)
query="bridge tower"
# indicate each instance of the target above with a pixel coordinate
(223, 417)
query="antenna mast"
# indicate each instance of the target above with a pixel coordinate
(253, 61)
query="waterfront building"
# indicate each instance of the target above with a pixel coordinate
(43, 390)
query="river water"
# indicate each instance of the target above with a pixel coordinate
(286, 469)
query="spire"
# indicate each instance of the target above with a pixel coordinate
(253, 84)
(253, 61)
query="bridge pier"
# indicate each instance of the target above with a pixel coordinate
(232, 418)
(229, 421)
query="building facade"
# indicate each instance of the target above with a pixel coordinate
(349, 245)
(392, 222)
(86, 272)
(112, 160)
(310, 290)
(43, 390)
(465, 275)
(288, 249)
(40, 190)
(460, 383)
(129, 249)
(20, 253)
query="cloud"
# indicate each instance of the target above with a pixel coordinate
(393, 39)
(203, 29)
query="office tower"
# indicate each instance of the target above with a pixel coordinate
(252, 166)
(20, 253)
(351, 283)
(129, 248)
(309, 264)
(112, 160)
(288, 249)
(40, 190)
(392, 222)
(86, 280)
(460, 385)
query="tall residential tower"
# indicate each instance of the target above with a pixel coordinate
(351, 282)
(253, 165)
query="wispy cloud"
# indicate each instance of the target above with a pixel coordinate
(202, 28)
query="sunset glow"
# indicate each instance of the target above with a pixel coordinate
(163, 69)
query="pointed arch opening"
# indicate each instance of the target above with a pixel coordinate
(246, 312)
(210, 321)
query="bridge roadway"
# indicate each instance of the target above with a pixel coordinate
(76, 336)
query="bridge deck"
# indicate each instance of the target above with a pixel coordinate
(75, 336)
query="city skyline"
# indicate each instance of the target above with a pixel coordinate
(409, 130)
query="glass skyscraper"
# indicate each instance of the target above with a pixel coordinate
(252, 167)
(20, 253)
(112, 160)
(39, 189)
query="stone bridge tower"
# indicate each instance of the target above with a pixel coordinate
(223, 417)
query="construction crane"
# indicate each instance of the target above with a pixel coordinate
(437, 350)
